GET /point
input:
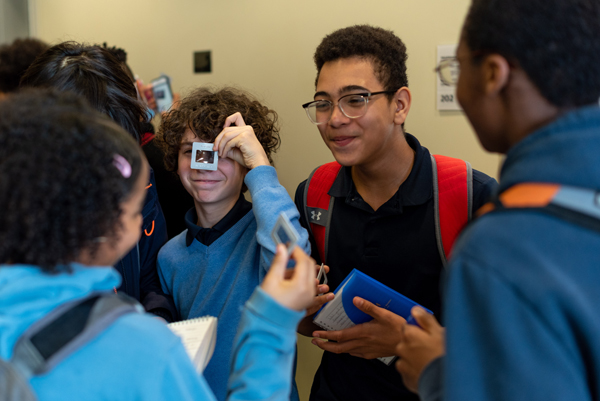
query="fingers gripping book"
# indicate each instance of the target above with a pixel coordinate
(198, 336)
(340, 313)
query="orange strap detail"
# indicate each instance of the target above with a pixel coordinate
(151, 231)
(524, 196)
(149, 185)
(488, 207)
(529, 195)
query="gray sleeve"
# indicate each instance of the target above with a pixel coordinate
(432, 380)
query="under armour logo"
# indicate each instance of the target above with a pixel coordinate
(315, 215)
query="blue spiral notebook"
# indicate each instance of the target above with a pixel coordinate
(340, 313)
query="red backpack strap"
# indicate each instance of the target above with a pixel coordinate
(453, 200)
(318, 205)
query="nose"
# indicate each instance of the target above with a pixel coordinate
(338, 117)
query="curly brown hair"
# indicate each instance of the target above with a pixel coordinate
(204, 112)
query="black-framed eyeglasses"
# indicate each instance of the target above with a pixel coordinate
(353, 105)
(448, 71)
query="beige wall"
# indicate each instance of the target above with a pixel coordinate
(266, 46)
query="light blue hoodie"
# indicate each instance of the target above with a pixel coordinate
(138, 357)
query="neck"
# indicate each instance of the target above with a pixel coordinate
(528, 110)
(379, 180)
(210, 214)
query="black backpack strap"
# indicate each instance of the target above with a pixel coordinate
(67, 328)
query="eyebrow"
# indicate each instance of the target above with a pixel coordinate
(345, 89)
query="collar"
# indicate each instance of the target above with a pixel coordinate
(415, 190)
(207, 236)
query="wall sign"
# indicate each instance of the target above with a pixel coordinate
(446, 94)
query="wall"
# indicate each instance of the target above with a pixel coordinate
(14, 20)
(266, 46)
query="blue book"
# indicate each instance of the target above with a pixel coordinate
(340, 313)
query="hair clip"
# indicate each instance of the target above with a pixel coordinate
(122, 165)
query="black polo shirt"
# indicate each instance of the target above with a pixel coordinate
(395, 245)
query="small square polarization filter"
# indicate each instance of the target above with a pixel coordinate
(322, 276)
(204, 157)
(285, 233)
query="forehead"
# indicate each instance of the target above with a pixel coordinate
(338, 75)
(189, 136)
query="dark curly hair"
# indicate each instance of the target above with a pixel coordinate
(97, 75)
(556, 43)
(204, 112)
(384, 49)
(60, 189)
(15, 58)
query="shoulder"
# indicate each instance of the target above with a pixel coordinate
(299, 196)
(518, 246)
(175, 246)
(484, 187)
(133, 336)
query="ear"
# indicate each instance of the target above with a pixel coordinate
(495, 72)
(401, 103)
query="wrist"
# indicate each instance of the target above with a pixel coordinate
(263, 161)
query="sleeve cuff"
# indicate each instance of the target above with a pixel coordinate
(261, 176)
(264, 306)
(431, 382)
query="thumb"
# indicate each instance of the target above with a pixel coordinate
(279, 261)
(424, 319)
(368, 307)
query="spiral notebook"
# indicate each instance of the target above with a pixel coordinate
(198, 336)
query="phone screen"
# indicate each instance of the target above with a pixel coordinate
(161, 88)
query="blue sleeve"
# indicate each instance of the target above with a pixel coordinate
(269, 199)
(501, 343)
(264, 350)
(154, 236)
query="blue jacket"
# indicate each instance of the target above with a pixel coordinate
(217, 279)
(138, 267)
(138, 357)
(523, 296)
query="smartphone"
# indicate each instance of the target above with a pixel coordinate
(163, 95)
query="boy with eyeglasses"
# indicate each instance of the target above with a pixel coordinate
(381, 218)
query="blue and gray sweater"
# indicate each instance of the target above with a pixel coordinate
(217, 280)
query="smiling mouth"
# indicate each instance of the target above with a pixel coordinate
(342, 140)
(202, 181)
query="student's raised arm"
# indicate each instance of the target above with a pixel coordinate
(265, 345)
